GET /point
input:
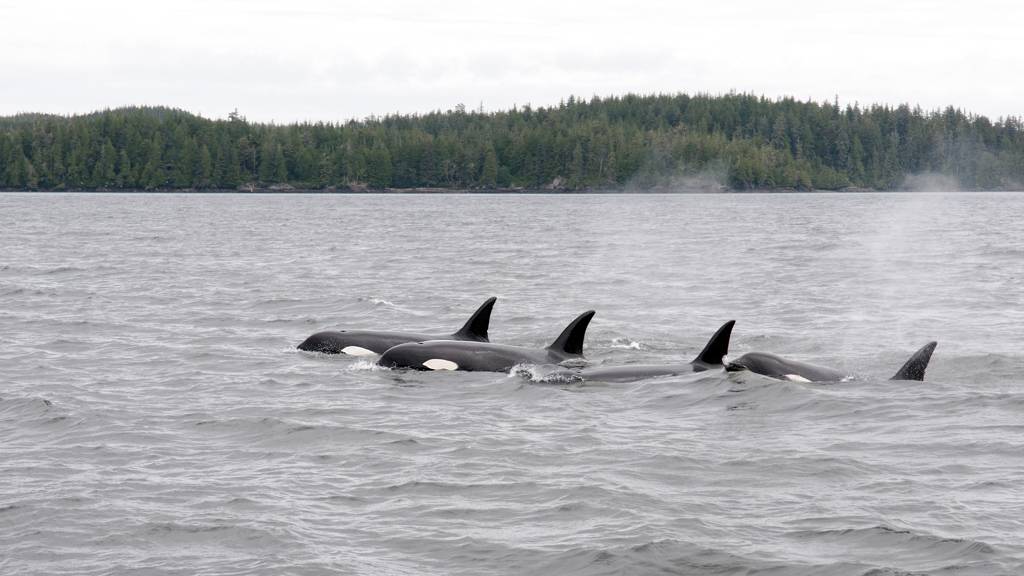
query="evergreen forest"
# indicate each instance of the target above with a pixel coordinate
(633, 142)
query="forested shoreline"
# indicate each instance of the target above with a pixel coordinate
(663, 142)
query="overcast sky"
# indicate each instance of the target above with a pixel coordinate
(322, 60)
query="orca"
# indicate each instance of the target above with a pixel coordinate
(784, 369)
(369, 342)
(710, 358)
(486, 356)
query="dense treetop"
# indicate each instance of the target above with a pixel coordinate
(645, 142)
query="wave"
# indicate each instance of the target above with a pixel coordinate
(61, 270)
(669, 556)
(280, 433)
(909, 549)
(20, 291)
(461, 489)
(879, 536)
(626, 344)
(215, 535)
(364, 365)
(25, 407)
(545, 374)
(384, 303)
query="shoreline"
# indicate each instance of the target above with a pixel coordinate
(492, 192)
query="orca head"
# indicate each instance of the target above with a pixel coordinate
(758, 362)
(340, 342)
(736, 365)
(331, 342)
(417, 356)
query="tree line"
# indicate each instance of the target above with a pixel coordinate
(738, 141)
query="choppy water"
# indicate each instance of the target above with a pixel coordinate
(155, 417)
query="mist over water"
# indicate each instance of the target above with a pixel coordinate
(929, 182)
(155, 417)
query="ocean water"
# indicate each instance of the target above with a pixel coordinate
(156, 418)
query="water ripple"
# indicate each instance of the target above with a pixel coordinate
(155, 417)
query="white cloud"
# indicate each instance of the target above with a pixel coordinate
(324, 60)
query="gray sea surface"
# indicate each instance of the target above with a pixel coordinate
(156, 418)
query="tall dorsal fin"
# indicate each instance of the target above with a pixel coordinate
(717, 347)
(476, 327)
(915, 367)
(570, 341)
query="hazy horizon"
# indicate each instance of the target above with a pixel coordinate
(316, 60)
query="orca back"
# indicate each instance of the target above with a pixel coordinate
(918, 363)
(475, 328)
(570, 341)
(717, 347)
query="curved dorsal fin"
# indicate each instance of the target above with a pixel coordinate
(717, 347)
(570, 341)
(476, 327)
(915, 367)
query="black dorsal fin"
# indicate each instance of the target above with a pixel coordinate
(476, 327)
(915, 367)
(570, 341)
(717, 347)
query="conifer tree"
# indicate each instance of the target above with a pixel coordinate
(104, 172)
(125, 175)
(378, 167)
(280, 165)
(489, 175)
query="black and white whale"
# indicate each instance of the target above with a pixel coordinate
(784, 369)
(487, 356)
(369, 342)
(709, 359)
